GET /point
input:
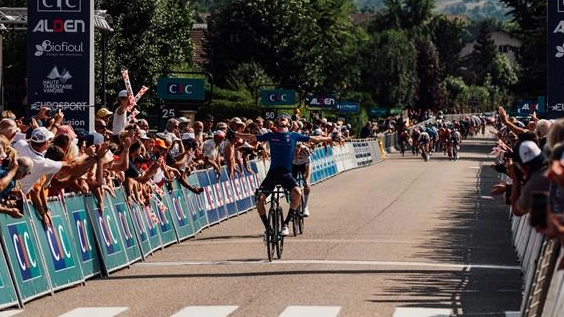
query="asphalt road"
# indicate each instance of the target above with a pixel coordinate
(400, 238)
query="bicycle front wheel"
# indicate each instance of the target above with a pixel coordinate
(271, 234)
(279, 241)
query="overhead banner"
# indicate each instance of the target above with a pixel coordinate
(555, 58)
(60, 59)
(278, 98)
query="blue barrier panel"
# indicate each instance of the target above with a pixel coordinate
(56, 246)
(247, 190)
(130, 240)
(164, 223)
(182, 220)
(196, 205)
(23, 256)
(241, 201)
(147, 232)
(228, 193)
(83, 232)
(331, 162)
(219, 196)
(8, 296)
(316, 173)
(209, 197)
(107, 234)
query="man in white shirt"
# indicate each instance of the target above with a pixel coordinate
(120, 112)
(35, 149)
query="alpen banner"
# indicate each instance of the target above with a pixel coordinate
(555, 59)
(60, 58)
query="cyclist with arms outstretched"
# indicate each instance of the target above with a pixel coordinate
(282, 144)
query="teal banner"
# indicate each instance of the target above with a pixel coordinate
(8, 296)
(148, 235)
(180, 214)
(164, 220)
(347, 107)
(125, 227)
(278, 98)
(193, 89)
(105, 226)
(24, 258)
(84, 238)
(56, 245)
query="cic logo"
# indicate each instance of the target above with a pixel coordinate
(107, 230)
(82, 233)
(59, 245)
(180, 216)
(25, 251)
(124, 225)
(58, 5)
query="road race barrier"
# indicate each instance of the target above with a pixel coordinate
(543, 286)
(84, 242)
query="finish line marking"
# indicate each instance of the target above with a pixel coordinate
(335, 262)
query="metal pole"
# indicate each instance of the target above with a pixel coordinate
(104, 64)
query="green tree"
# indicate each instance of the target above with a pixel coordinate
(448, 38)
(530, 15)
(484, 53)
(429, 94)
(389, 68)
(150, 37)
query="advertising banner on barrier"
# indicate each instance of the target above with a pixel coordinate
(182, 219)
(125, 227)
(56, 245)
(8, 295)
(24, 258)
(164, 220)
(147, 232)
(196, 205)
(107, 234)
(218, 194)
(210, 201)
(228, 193)
(83, 233)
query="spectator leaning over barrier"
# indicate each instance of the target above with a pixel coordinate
(528, 175)
(11, 199)
(35, 149)
(282, 146)
(211, 153)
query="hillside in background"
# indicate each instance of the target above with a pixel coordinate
(474, 9)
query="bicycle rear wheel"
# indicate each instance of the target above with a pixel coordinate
(271, 234)
(279, 239)
(300, 220)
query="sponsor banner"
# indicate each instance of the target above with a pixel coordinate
(60, 40)
(83, 235)
(8, 296)
(181, 213)
(229, 196)
(108, 236)
(24, 257)
(209, 200)
(243, 192)
(56, 246)
(147, 231)
(195, 205)
(218, 194)
(136, 225)
(126, 229)
(555, 59)
(163, 220)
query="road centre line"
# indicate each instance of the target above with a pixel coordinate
(334, 262)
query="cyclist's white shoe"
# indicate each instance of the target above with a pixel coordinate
(306, 212)
(285, 231)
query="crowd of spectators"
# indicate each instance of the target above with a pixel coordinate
(530, 156)
(42, 156)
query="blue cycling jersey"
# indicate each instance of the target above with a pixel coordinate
(282, 145)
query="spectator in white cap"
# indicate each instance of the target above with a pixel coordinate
(35, 149)
(183, 124)
(529, 174)
(122, 105)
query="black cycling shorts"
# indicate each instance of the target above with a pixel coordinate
(297, 169)
(278, 176)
